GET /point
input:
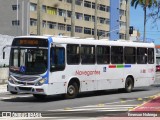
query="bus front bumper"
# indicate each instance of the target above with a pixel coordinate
(27, 89)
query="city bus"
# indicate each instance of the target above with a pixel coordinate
(46, 65)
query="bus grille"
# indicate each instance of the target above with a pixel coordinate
(25, 88)
(26, 78)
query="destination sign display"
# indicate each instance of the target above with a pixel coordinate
(30, 42)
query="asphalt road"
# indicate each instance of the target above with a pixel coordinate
(89, 104)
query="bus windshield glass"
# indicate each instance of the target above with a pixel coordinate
(29, 56)
(28, 61)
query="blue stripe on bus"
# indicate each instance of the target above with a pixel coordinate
(127, 66)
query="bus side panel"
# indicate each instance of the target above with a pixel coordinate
(56, 83)
(143, 75)
(110, 78)
(87, 76)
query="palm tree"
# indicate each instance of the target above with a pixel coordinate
(145, 4)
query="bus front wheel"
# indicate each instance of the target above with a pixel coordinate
(129, 84)
(72, 91)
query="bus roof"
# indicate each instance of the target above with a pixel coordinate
(70, 40)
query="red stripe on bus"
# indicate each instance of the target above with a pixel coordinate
(112, 66)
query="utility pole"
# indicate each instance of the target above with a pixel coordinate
(39, 20)
(95, 22)
(127, 18)
(73, 19)
(17, 16)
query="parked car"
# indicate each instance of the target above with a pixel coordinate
(157, 68)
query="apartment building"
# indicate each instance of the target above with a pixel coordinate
(53, 17)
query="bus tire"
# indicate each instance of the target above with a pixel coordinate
(39, 96)
(129, 84)
(72, 91)
(13, 92)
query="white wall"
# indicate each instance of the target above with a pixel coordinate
(5, 40)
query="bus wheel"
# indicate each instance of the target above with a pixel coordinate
(13, 92)
(38, 96)
(72, 91)
(129, 84)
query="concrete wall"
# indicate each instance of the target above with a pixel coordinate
(4, 72)
(4, 40)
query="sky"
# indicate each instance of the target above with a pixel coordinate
(137, 21)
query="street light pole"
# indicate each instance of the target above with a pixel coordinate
(127, 18)
(39, 17)
(95, 22)
(17, 16)
(73, 19)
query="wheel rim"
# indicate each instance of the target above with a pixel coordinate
(129, 84)
(71, 90)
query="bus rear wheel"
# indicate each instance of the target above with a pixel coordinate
(72, 91)
(129, 84)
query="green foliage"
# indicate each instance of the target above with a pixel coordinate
(144, 3)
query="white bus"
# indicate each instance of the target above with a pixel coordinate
(57, 65)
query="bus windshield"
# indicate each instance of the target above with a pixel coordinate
(28, 61)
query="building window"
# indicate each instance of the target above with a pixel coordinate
(122, 36)
(68, 27)
(79, 2)
(102, 7)
(102, 20)
(61, 12)
(33, 7)
(93, 18)
(78, 29)
(33, 22)
(44, 8)
(51, 11)
(15, 23)
(61, 26)
(79, 16)
(107, 9)
(87, 17)
(107, 21)
(87, 31)
(93, 5)
(87, 4)
(44, 24)
(122, 24)
(69, 13)
(15, 7)
(51, 25)
(122, 12)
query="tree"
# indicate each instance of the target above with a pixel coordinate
(155, 14)
(144, 4)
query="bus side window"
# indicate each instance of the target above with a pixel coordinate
(60, 56)
(150, 55)
(57, 59)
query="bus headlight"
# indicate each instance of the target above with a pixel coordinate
(11, 80)
(41, 82)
